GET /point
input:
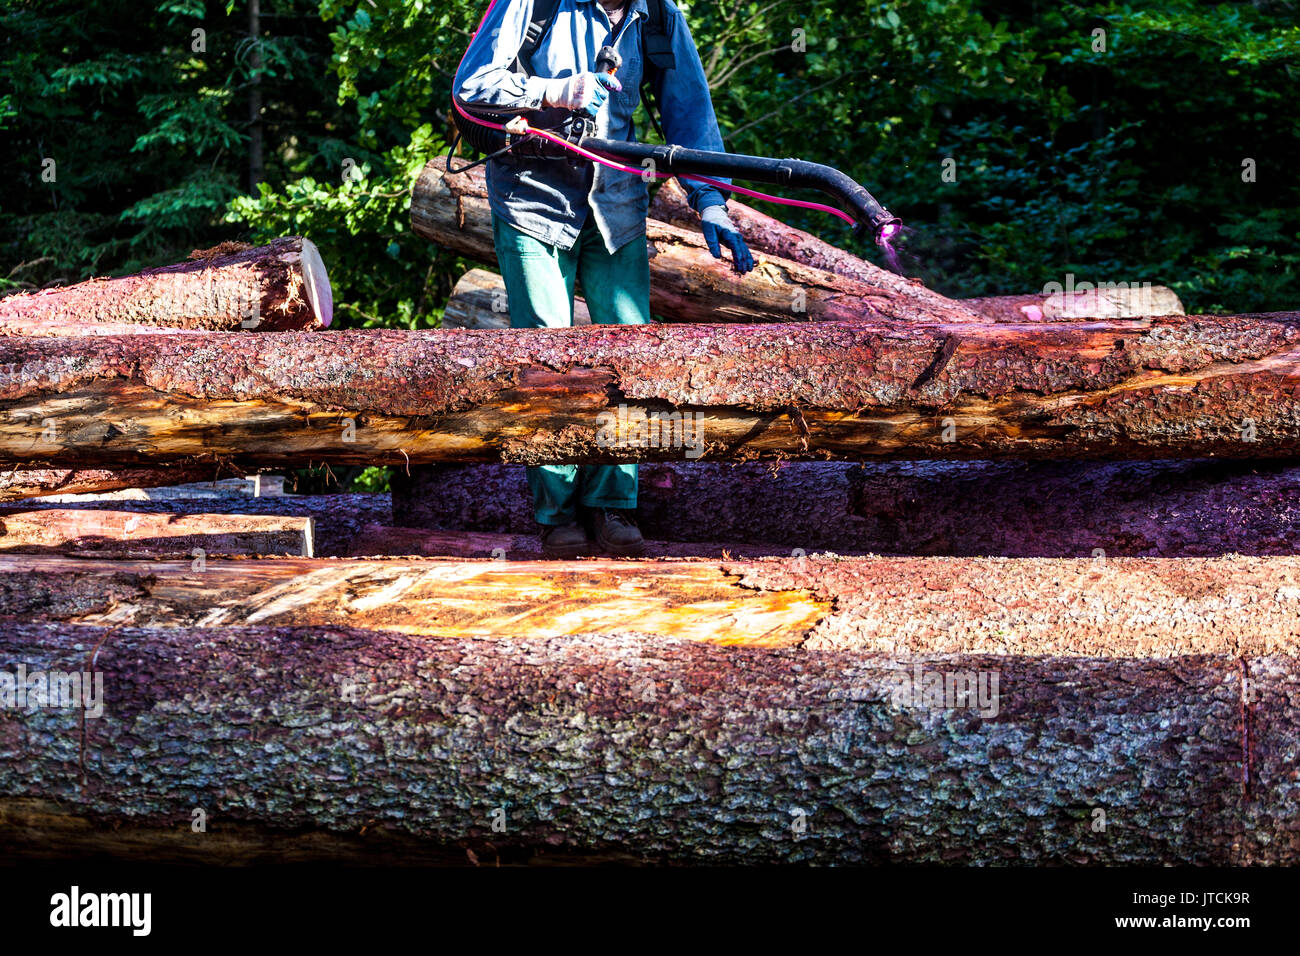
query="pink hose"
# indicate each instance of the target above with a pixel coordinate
(605, 161)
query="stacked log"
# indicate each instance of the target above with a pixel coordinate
(275, 287)
(107, 532)
(686, 283)
(1107, 300)
(621, 747)
(1172, 509)
(30, 482)
(1175, 387)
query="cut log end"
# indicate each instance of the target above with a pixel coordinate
(316, 280)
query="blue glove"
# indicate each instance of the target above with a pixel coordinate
(720, 231)
(582, 92)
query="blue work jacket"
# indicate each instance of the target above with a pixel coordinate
(550, 199)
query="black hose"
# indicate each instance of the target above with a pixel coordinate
(853, 197)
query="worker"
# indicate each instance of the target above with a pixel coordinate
(556, 221)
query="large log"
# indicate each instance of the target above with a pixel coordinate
(20, 483)
(1111, 607)
(336, 519)
(1171, 509)
(275, 287)
(479, 301)
(377, 540)
(686, 283)
(107, 532)
(1174, 387)
(656, 749)
(767, 234)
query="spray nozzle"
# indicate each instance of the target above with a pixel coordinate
(608, 60)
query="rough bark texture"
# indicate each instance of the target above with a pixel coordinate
(661, 749)
(275, 287)
(479, 301)
(384, 541)
(686, 283)
(1173, 387)
(1018, 509)
(106, 532)
(337, 520)
(770, 235)
(1117, 607)
(19, 483)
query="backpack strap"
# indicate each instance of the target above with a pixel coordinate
(657, 37)
(538, 27)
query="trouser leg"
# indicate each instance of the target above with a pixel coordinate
(539, 281)
(617, 290)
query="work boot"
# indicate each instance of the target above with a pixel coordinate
(615, 531)
(564, 540)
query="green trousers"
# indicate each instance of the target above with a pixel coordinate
(539, 286)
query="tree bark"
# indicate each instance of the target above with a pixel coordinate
(337, 519)
(105, 532)
(20, 483)
(1103, 607)
(268, 288)
(377, 540)
(767, 234)
(686, 283)
(479, 301)
(653, 748)
(1166, 388)
(1170, 509)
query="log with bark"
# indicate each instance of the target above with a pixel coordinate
(231, 286)
(767, 234)
(1102, 607)
(625, 747)
(108, 532)
(1174, 387)
(24, 482)
(686, 283)
(336, 519)
(376, 540)
(479, 301)
(1196, 508)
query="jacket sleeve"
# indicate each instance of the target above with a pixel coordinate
(686, 109)
(485, 77)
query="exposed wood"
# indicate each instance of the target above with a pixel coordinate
(660, 749)
(32, 482)
(767, 234)
(280, 286)
(93, 531)
(686, 283)
(1111, 607)
(1175, 387)
(479, 301)
(1166, 509)
(1108, 301)
(521, 599)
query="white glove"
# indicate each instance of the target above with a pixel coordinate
(582, 91)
